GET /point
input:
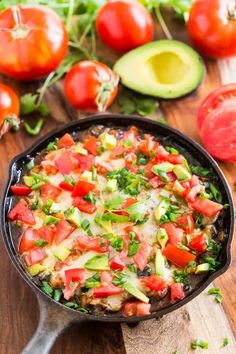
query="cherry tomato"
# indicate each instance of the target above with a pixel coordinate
(136, 308)
(91, 145)
(123, 25)
(48, 191)
(66, 186)
(35, 255)
(84, 162)
(9, 108)
(212, 27)
(186, 223)
(174, 233)
(91, 86)
(178, 256)
(33, 41)
(28, 239)
(141, 257)
(65, 163)
(20, 189)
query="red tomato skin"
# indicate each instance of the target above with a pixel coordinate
(206, 207)
(124, 25)
(34, 256)
(83, 83)
(84, 206)
(82, 188)
(27, 240)
(136, 308)
(9, 104)
(48, 191)
(65, 141)
(64, 163)
(20, 189)
(212, 29)
(198, 243)
(40, 50)
(117, 262)
(186, 223)
(62, 231)
(175, 158)
(156, 182)
(154, 282)
(97, 244)
(176, 292)
(178, 256)
(141, 257)
(74, 276)
(66, 186)
(106, 288)
(84, 162)
(174, 233)
(91, 145)
(21, 212)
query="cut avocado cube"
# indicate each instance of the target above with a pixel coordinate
(202, 268)
(111, 185)
(73, 215)
(108, 141)
(132, 290)
(55, 208)
(162, 237)
(49, 219)
(99, 262)
(35, 269)
(161, 210)
(29, 181)
(162, 167)
(61, 252)
(181, 173)
(86, 176)
(79, 148)
(159, 263)
(164, 68)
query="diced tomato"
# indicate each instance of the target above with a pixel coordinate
(130, 159)
(73, 278)
(104, 166)
(136, 308)
(84, 163)
(128, 202)
(171, 176)
(192, 193)
(66, 186)
(141, 257)
(160, 154)
(84, 206)
(198, 243)
(174, 233)
(156, 182)
(176, 159)
(186, 223)
(194, 181)
(176, 292)
(20, 189)
(34, 256)
(49, 168)
(117, 151)
(147, 145)
(106, 288)
(48, 191)
(148, 170)
(46, 233)
(65, 163)
(97, 244)
(177, 187)
(155, 283)
(206, 207)
(62, 231)
(28, 239)
(91, 145)
(22, 213)
(82, 188)
(178, 256)
(66, 141)
(118, 262)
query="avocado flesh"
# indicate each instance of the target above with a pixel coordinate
(165, 69)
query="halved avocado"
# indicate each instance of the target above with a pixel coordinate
(164, 68)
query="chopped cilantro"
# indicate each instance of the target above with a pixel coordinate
(200, 171)
(93, 281)
(137, 212)
(199, 343)
(90, 198)
(115, 202)
(172, 150)
(53, 145)
(40, 242)
(117, 243)
(225, 342)
(86, 226)
(120, 279)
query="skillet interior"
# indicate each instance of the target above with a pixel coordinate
(168, 136)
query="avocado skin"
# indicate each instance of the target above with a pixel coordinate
(127, 64)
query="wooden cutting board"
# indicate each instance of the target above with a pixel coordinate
(202, 318)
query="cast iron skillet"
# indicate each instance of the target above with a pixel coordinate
(54, 317)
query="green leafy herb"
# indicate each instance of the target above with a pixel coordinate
(142, 159)
(181, 276)
(90, 198)
(225, 342)
(53, 145)
(36, 129)
(40, 242)
(137, 212)
(115, 202)
(120, 279)
(57, 294)
(117, 243)
(171, 214)
(133, 246)
(199, 343)
(213, 263)
(199, 221)
(93, 281)
(172, 150)
(69, 180)
(131, 103)
(217, 195)
(213, 247)
(112, 217)
(29, 104)
(127, 143)
(132, 268)
(217, 292)
(86, 226)
(46, 288)
(129, 182)
(192, 264)
(200, 171)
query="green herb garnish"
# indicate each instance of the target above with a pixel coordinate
(46, 288)
(217, 292)
(90, 198)
(40, 242)
(199, 343)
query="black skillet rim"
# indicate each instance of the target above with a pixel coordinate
(116, 119)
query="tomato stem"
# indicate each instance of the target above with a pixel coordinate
(104, 94)
(162, 22)
(70, 14)
(11, 121)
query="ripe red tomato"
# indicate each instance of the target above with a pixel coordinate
(212, 27)
(136, 308)
(20, 189)
(33, 41)
(124, 25)
(82, 188)
(90, 86)
(178, 256)
(96, 244)
(9, 108)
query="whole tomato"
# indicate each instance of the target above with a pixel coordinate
(212, 27)
(90, 86)
(33, 41)
(124, 25)
(9, 109)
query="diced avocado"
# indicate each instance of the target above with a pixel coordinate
(163, 167)
(164, 68)
(28, 180)
(181, 173)
(111, 185)
(86, 176)
(79, 148)
(61, 252)
(49, 219)
(132, 290)
(106, 225)
(36, 269)
(73, 215)
(161, 210)
(99, 262)
(55, 208)
(202, 268)
(108, 141)
(159, 263)
(162, 237)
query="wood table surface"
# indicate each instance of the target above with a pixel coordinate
(201, 318)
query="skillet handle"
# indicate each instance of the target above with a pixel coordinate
(53, 320)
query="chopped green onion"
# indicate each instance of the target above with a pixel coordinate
(40, 242)
(217, 292)
(69, 180)
(216, 193)
(46, 288)
(90, 198)
(36, 130)
(30, 164)
(199, 343)
(225, 342)
(57, 294)
(38, 185)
